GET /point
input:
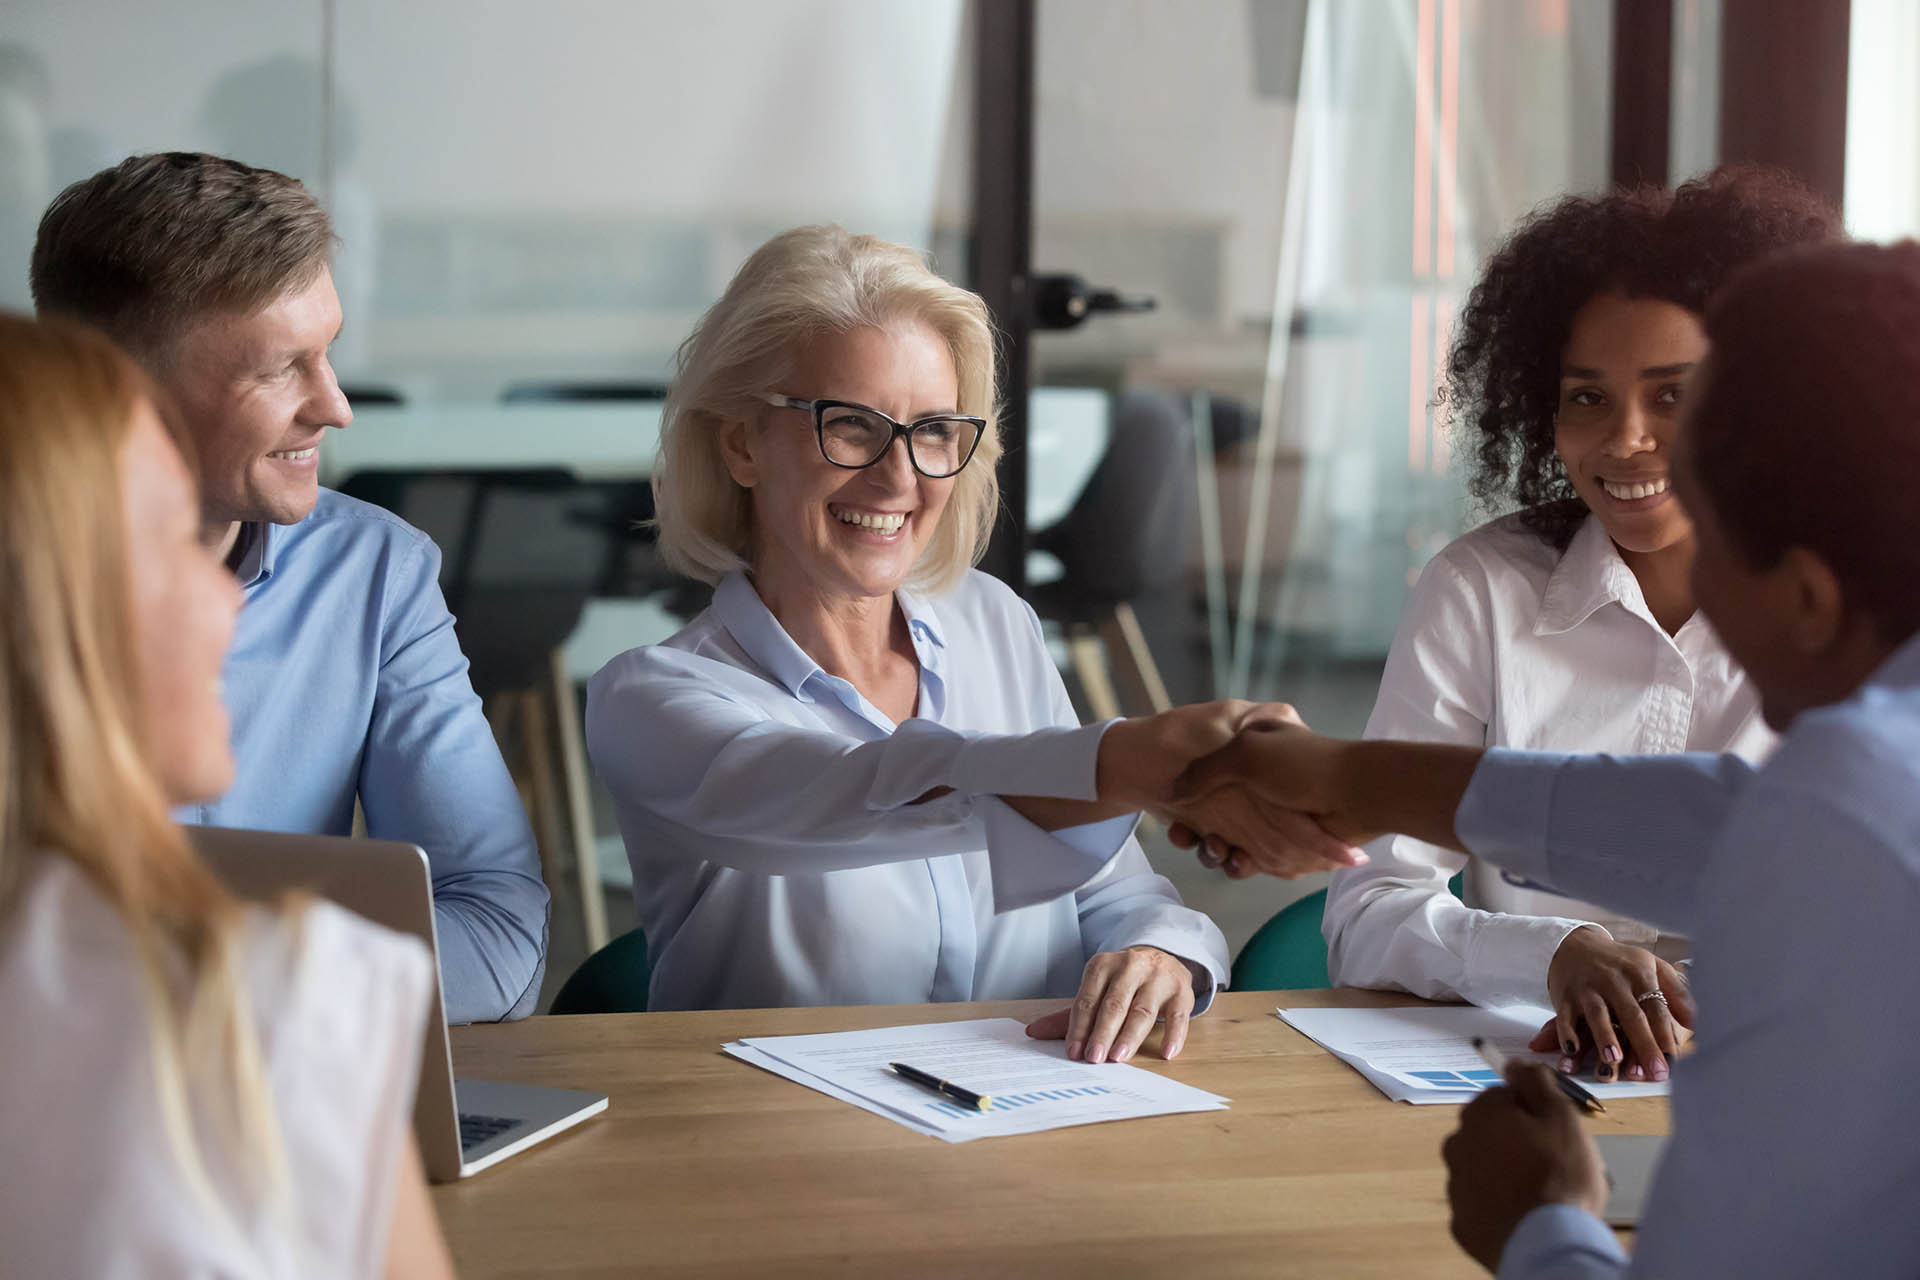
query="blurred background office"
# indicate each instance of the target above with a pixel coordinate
(1225, 240)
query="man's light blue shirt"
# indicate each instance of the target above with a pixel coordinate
(345, 679)
(1796, 1123)
(782, 854)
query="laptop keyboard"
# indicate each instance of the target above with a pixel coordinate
(475, 1130)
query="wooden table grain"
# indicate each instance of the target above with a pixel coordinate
(705, 1166)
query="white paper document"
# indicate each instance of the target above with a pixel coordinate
(1032, 1083)
(1425, 1054)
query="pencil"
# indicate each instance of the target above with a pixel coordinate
(1492, 1056)
(946, 1089)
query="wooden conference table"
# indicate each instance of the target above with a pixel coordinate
(705, 1166)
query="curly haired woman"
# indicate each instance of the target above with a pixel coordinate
(1568, 625)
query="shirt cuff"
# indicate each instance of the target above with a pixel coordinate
(1060, 763)
(1504, 815)
(1560, 1240)
(1031, 865)
(1100, 839)
(1508, 957)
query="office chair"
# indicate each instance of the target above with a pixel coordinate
(1125, 536)
(1288, 952)
(615, 979)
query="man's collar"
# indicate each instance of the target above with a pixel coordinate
(253, 553)
(1902, 670)
(1590, 574)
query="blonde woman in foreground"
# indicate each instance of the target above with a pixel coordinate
(192, 1087)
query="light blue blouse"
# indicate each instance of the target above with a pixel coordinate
(778, 857)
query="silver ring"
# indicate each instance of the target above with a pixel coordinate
(1655, 994)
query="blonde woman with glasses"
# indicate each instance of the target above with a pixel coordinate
(190, 1087)
(857, 777)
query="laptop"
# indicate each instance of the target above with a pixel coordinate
(1631, 1159)
(462, 1126)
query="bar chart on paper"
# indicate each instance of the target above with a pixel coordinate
(1032, 1083)
(1426, 1054)
(1008, 1101)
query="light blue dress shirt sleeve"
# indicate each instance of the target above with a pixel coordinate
(345, 680)
(432, 775)
(1583, 824)
(1794, 1117)
(1560, 1242)
(762, 795)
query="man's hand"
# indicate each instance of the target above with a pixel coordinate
(1517, 1148)
(1122, 994)
(1267, 802)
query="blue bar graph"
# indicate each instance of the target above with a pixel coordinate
(1010, 1101)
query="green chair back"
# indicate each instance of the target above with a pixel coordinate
(613, 979)
(1289, 953)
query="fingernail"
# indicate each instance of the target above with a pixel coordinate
(1611, 1053)
(1568, 1066)
(1122, 1053)
(1635, 1073)
(1571, 1049)
(1604, 1073)
(1096, 1053)
(1658, 1070)
(1075, 1049)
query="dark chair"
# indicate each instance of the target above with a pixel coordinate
(581, 392)
(614, 979)
(361, 394)
(1289, 953)
(1125, 537)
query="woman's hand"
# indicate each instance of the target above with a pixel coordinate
(1604, 991)
(1122, 994)
(1140, 758)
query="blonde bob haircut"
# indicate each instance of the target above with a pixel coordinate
(799, 285)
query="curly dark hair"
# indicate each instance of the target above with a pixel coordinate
(1503, 374)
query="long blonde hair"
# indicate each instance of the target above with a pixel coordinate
(76, 781)
(802, 283)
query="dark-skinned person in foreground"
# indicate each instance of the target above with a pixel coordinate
(1799, 880)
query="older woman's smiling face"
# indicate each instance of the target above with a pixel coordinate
(823, 530)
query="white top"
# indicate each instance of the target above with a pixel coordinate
(779, 857)
(89, 1183)
(1507, 642)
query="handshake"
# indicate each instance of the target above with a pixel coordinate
(1247, 785)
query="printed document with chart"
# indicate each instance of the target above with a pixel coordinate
(1032, 1083)
(1425, 1053)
